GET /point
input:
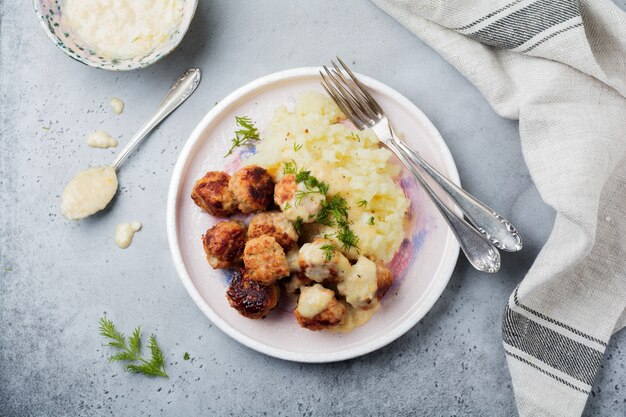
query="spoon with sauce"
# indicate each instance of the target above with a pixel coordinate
(93, 189)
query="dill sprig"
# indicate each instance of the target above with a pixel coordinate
(310, 182)
(371, 221)
(347, 238)
(334, 213)
(131, 351)
(298, 224)
(328, 250)
(361, 203)
(290, 168)
(246, 135)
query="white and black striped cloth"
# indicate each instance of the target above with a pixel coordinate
(559, 66)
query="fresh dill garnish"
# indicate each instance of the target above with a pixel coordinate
(312, 185)
(296, 147)
(354, 136)
(287, 206)
(334, 213)
(246, 135)
(371, 221)
(361, 203)
(301, 194)
(298, 224)
(328, 250)
(186, 356)
(290, 168)
(347, 238)
(131, 351)
(8, 269)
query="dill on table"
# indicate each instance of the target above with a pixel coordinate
(131, 351)
(245, 135)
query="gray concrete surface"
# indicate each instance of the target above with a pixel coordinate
(58, 278)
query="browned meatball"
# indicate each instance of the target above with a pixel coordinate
(265, 260)
(384, 280)
(318, 308)
(276, 225)
(224, 244)
(285, 190)
(253, 188)
(211, 193)
(249, 298)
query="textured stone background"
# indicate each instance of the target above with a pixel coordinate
(57, 278)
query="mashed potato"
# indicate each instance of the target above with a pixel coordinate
(349, 161)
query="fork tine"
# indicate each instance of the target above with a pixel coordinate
(349, 98)
(373, 102)
(358, 95)
(343, 105)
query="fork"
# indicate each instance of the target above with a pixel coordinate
(490, 229)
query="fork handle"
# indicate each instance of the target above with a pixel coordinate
(487, 221)
(479, 251)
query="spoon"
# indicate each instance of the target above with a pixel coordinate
(93, 189)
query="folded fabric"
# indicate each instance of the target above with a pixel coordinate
(559, 66)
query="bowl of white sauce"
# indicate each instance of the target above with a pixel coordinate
(117, 35)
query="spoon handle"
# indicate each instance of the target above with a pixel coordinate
(176, 95)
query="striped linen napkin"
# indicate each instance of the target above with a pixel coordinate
(559, 66)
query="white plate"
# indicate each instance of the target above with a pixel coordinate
(422, 267)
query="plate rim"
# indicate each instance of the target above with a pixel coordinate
(432, 293)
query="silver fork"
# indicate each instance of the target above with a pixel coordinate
(491, 228)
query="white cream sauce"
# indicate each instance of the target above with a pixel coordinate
(317, 266)
(122, 28)
(117, 105)
(313, 300)
(101, 139)
(360, 284)
(88, 192)
(124, 233)
(355, 317)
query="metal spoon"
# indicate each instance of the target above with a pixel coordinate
(180, 91)
(93, 189)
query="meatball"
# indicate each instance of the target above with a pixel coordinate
(384, 279)
(249, 298)
(253, 189)
(265, 260)
(318, 308)
(224, 244)
(366, 283)
(297, 280)
(296, 201)
(322, 261)
(273, 224)
(211, 193)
